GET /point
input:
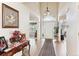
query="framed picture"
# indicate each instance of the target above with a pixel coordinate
(3, 44)
(10, 17)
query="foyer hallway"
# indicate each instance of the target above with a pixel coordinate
(38, 45)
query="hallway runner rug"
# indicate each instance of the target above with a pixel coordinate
(47, 49)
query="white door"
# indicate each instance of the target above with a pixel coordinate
(48, 29)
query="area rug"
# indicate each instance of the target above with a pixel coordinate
(47, 49)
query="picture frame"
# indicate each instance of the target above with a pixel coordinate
(10, 17)
(3, 44)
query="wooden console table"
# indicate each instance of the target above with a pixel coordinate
(16, 49)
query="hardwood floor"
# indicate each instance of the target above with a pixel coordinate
(60, 48)
(47, 49)
(36, 46)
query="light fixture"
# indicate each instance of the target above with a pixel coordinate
(47, 11)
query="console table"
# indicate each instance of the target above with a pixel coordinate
(14, 50)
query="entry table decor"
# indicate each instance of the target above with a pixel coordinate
(13, 50)
(18, 43)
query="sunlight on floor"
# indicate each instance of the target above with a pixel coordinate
(60, 48)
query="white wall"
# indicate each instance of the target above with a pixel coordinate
(77, 26)
(34, 9)
(72, 18)
(72, 31)
(23, 20)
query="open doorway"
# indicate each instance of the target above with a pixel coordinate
(48, 19)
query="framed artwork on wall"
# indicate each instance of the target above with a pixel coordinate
(10, 17)
(3, 44)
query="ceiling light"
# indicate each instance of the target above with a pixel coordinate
(47, 11)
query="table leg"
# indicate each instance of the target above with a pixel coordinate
(29, 49)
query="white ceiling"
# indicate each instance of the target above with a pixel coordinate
(39, 8)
